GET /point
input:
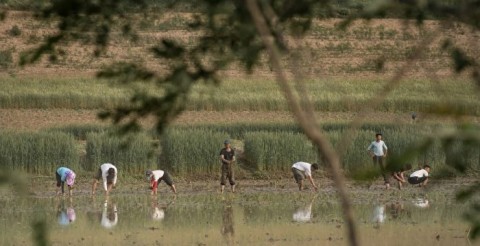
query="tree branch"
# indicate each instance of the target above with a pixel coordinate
(393, 83)
(313, 133)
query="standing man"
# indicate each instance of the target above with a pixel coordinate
(378, 151)
(302, 170)
(156, 177)
(65, 175)
(107, 172)
(227, 157)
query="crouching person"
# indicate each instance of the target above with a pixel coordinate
(420, 177)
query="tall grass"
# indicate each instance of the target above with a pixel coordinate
(192, 152)
(38, 153)
(131, 155)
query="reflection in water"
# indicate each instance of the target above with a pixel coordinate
(244, 222)
(158, 213)
(396, 209)
(66, 215)
(379, 214)
(304, 213)
(228, 231)
(421, 202)
(158, 210)
(109, 215)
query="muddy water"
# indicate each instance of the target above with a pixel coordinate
(240, 219)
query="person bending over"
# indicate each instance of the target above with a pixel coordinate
(302, 170)
(156, 177)
(65, 175)
(108, 173)
(399, 175)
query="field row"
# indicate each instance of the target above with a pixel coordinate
(334, 95)
(262, 150)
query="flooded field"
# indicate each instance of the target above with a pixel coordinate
(412, 217)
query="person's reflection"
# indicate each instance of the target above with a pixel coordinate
(109, 215)
(378, 215)
(228, 230)
(158, 210)
(304, 214)
(421, 202)
(66, 214)
(396, 209)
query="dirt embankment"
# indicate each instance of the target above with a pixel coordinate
(34, 119)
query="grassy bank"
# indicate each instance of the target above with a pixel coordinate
(332, 95)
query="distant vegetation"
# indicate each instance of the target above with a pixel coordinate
(264, 150)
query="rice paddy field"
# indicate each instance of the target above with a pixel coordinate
(200, 216)
(49, 118)
(263, 124)
(51, 122)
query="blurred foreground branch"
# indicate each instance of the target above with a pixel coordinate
(311, 130)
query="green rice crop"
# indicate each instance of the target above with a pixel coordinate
(275, 152)
(74, 93)
(273, 147)
(192, 152)
(332, 95)
(80, 132)
(131, 155)
(38, 153)
(239, 130)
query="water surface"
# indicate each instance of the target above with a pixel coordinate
(232, 219)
